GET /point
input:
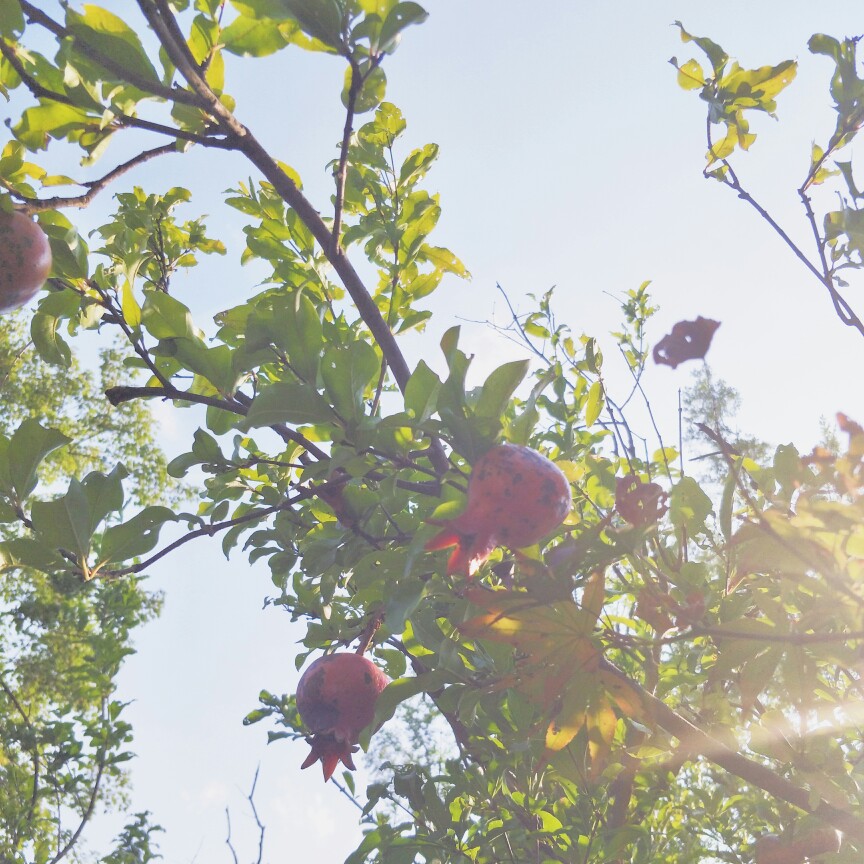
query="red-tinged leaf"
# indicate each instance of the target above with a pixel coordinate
(689, 340)
(602, 722)
(626, 697)
(639, 503)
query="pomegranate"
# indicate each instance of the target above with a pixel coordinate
(771, 849)
(336, 700)
(25, 260)
(515, 496)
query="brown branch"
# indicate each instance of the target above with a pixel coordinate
(730, 179)
(342, 173)
(785, 638)
(35, 205)
(138, 346)
(162, 22)
(206, 531)
(285, 186)
(238, 405)
(699, 742)
(118, 395)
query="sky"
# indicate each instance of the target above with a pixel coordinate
(569, 157)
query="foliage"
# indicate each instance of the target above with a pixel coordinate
(70, 400)
(666, 677)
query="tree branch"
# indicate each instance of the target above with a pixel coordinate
(342, 172)
(730, 179)
(162, 21)
(207, 531)
(118, 395)
(36, 205)
(699, 742)
(238, 405)
(285, 186)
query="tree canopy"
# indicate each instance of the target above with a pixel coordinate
(668, 670)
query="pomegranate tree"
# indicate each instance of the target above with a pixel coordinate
(25, 260)
(515, 497)
(336, 699)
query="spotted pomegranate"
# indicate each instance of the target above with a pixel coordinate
(515, 497)
(336, 700)
(771, 849)
(25, 260)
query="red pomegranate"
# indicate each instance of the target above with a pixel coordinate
(515, 496)
(25, 260)
(771, 849)
(336, 700)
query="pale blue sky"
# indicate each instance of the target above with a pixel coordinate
(569, 156)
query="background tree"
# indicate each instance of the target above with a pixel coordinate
(662, 678)
(62, 641)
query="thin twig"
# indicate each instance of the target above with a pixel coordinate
(35, 205)
(251, 799)
(228, 838)
(730, 179)
(91, 805)
(34, 758)
(206, 531)
(342, 173)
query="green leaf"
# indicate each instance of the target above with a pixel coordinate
(421, 392)
(292, 324)
(29, 445)
(11, 19)
(594, 404)
(820, 43)
(111, 36)
(253, 37)
(689, 506)
(166, 318)
(788, 469)
(288, 402)
(129, 306)
(304, 336)
(499, 387)
(417, 164)
(213, 363)
(104, 493)
(726, 502)
(716, 55)
(51, 346)
(321, 19)
(691, 76)
(135, 537)
(395, 693)
(401, 16)
(371, 93)
(28, 552)
(347, 371)
(444, 260)
(64, 523)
